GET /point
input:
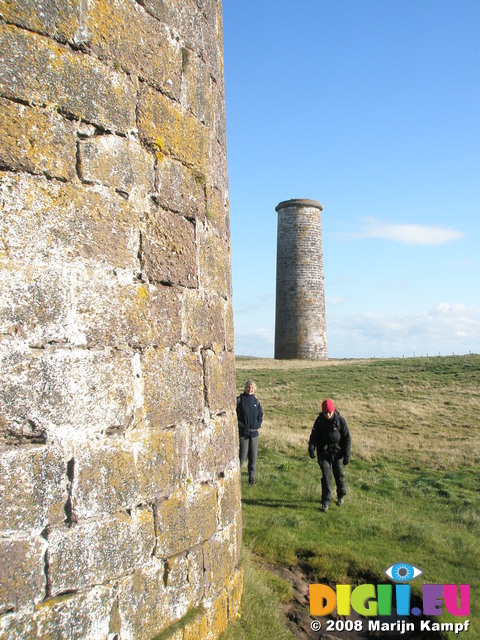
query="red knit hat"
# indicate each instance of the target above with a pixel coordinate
(328, 406)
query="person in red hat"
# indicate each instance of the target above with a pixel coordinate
(331, 438)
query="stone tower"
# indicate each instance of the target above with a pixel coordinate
(300, 326)
(120, 512)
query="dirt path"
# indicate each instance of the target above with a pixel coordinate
(297, 616)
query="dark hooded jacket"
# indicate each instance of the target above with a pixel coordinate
(331, 437)
(249, 414)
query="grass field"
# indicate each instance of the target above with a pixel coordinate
(413, 480)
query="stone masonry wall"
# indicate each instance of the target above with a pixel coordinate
(119, 477)
(300, 322)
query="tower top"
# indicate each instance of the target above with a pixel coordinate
(299, 202)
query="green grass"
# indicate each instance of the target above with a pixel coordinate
(413, 489)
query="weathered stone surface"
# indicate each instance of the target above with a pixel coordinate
(80, 616)
(117, 162)
(220, 130)
(67, 393)
(22, 575)
(229, 497)
(180, 135)
(219, 554)
(79, 85)
(111, 313)
(89, 307)
(196, 87)
(180, 189)
(193, 23)
(219, 380)
(126, 472)
(92, 552)
(43, 221)
(35, 304)
(214, 271)
(217, 213)
(116, 35)
(173, 384)
(33, 488)
(37, 140)
(119, 479)
(203, 324)
(210, 446)
(159, 594)
(169, 249)
(185, 519)
(59, 19)
(229, 325)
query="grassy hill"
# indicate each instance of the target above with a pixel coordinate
(413, 480)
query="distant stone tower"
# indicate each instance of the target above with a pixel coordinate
(300, 326)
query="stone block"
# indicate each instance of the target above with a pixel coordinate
(234, 591)
(219, 127)
(229, 495)
(229, 325)
(219, 380)
(173, 386)
(80, 616)
(33, 488)
(37, 141)
(115, 33)
(202, 321)
(69, 395)
(117, 162)
(162, 463)
(196, 87)
(177, 133)
(124, 472)
(111, 313)
(217, 213)
(97, 551)
(219, 553)
(213, 448)
(105, 480)
(50, 223)
(214, 269)
(35, 304)
(160, 594)
(193, 23)
(180, 188)
(22, 575)
(57, 19)
(40, 71)
(185, 519)
(169, 251)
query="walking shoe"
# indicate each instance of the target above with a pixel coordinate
(252, 481)
(324, 507)
(340, 501)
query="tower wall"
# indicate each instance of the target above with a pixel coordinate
(119, 475)
(300, 324)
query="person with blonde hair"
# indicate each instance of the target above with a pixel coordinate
(331, 438)
(250, 417)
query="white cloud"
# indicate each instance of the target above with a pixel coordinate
(445, 329)
(413, 234)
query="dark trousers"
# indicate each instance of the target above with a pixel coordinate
(327, 466)
(249, 448)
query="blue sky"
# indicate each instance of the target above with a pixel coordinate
(371, 107)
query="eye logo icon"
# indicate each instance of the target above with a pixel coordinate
(403, 572)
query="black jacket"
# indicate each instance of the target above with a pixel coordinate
(331, 437)
(249, 414)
